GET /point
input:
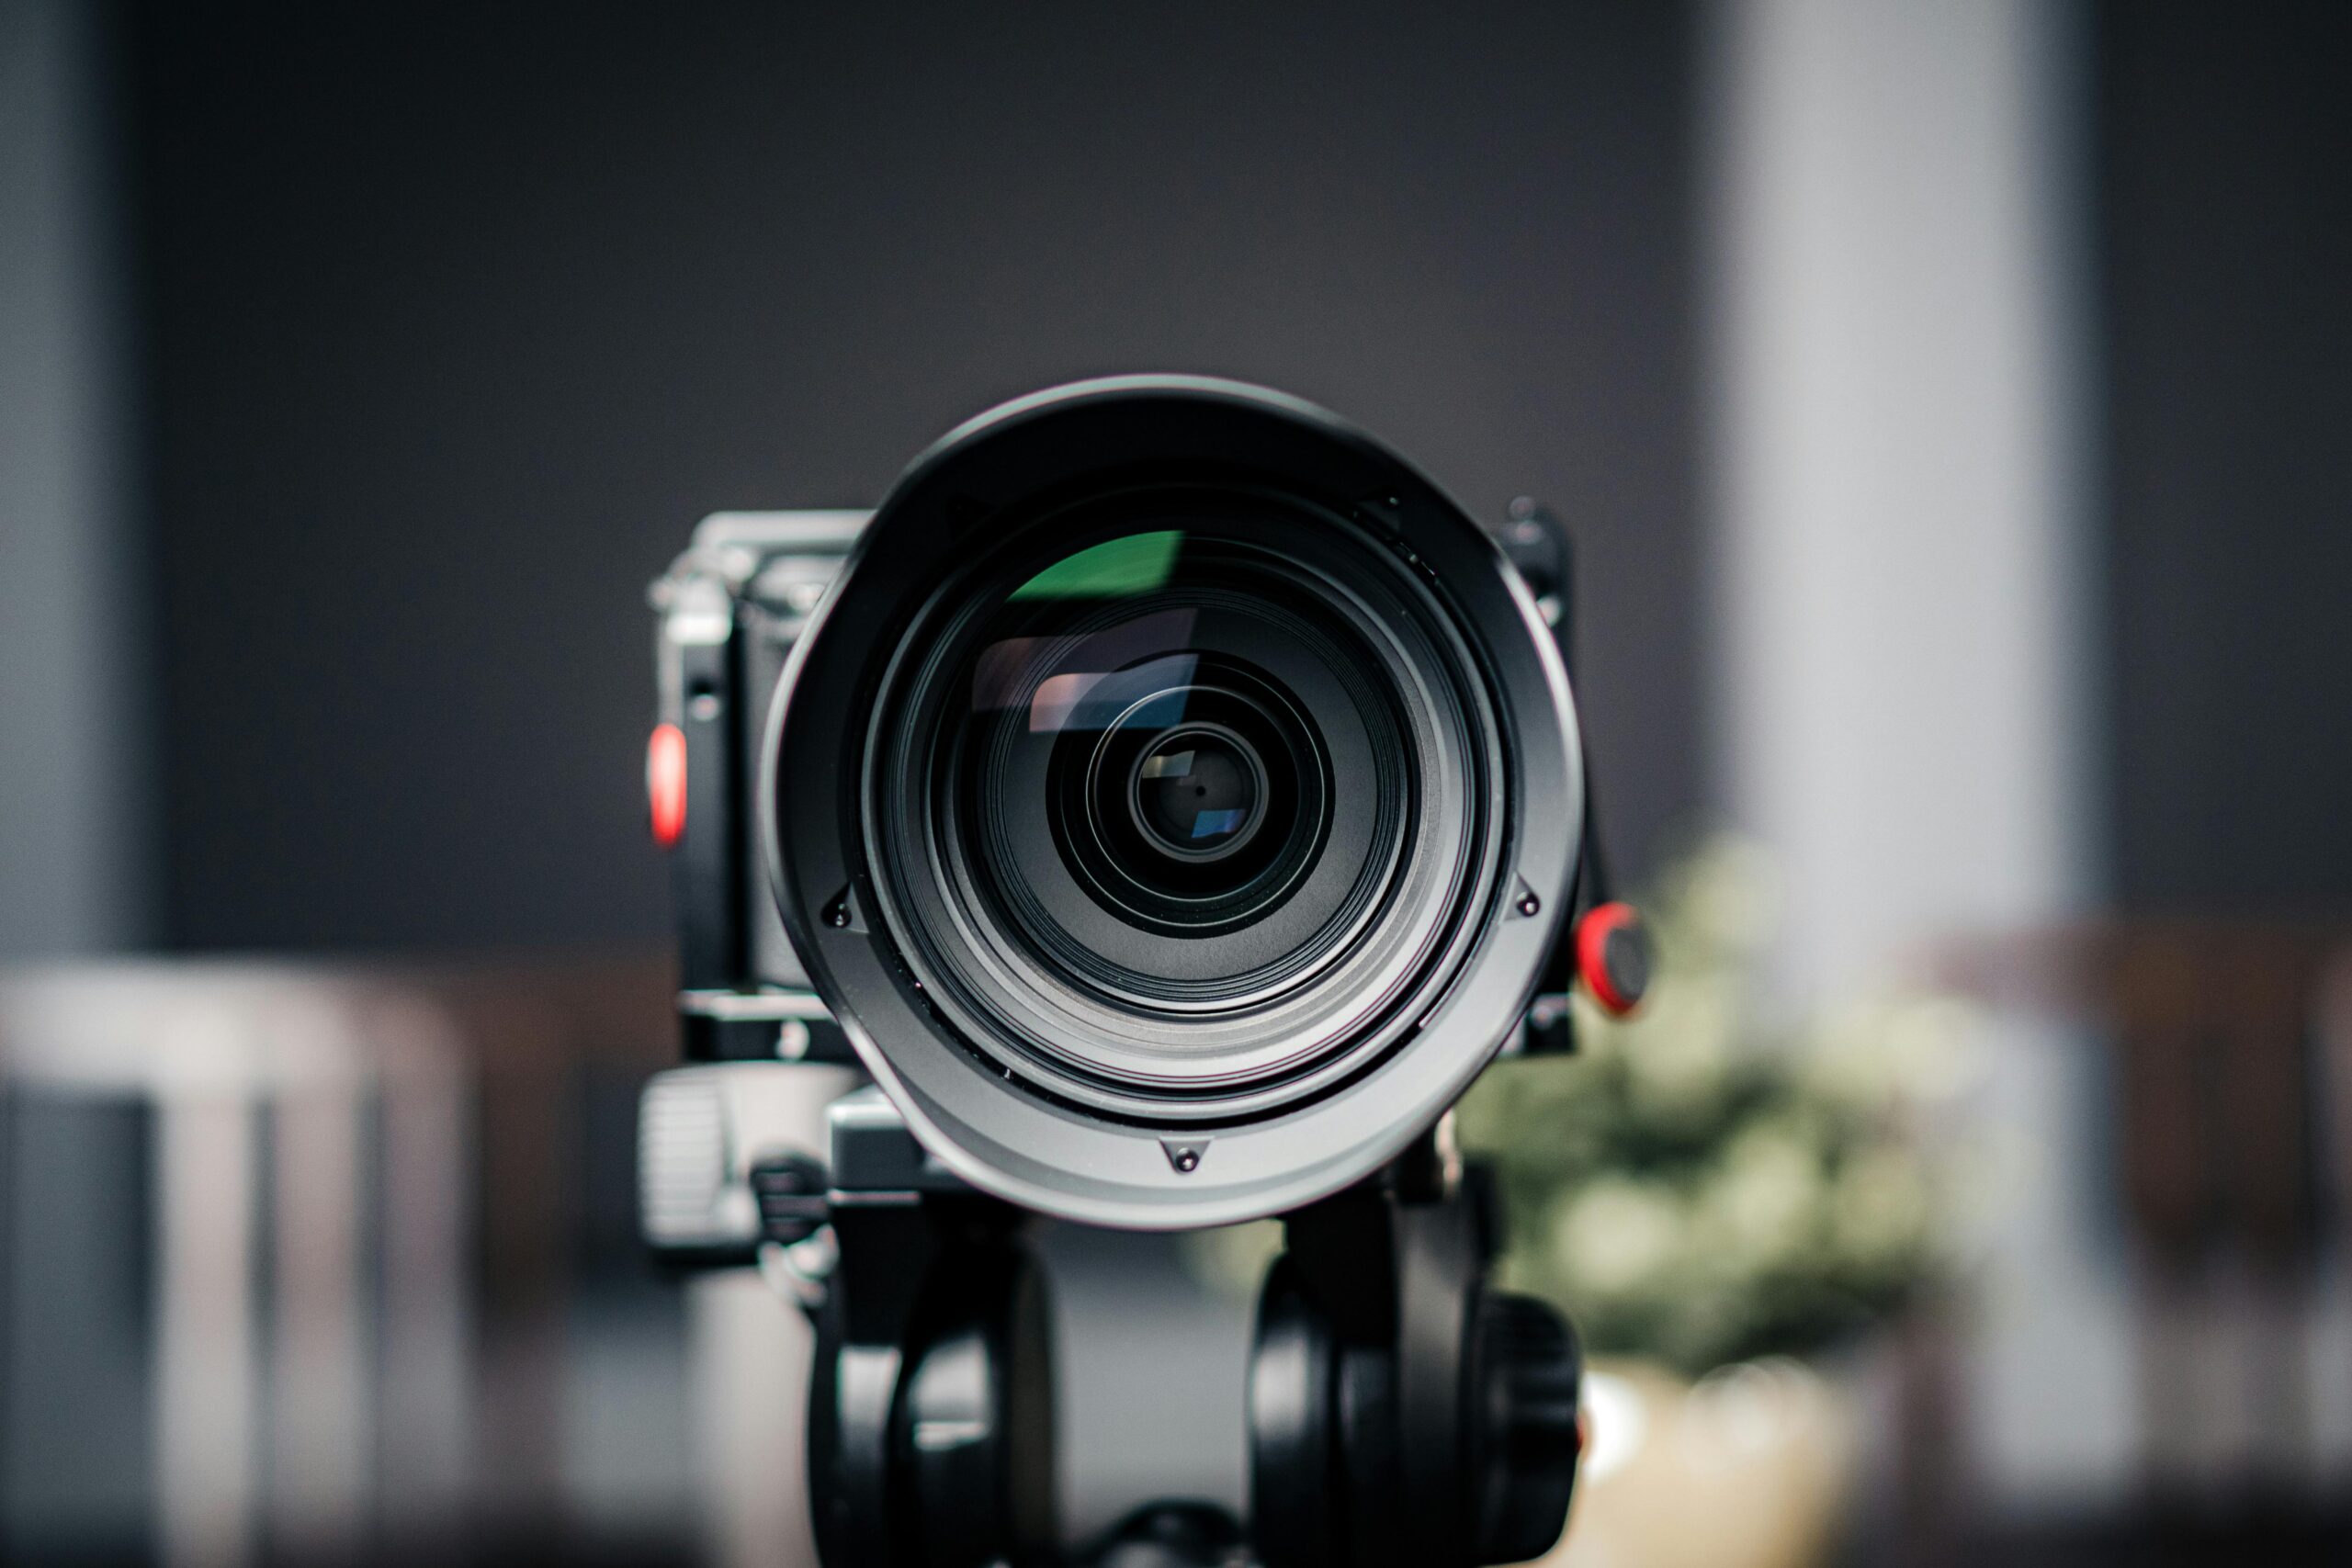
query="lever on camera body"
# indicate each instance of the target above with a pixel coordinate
(1399, 1411)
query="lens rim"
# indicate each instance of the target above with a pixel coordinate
(1055, 1156)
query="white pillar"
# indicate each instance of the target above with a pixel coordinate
(1896, 592)
(206, 1357)
(1900, 594)
(322, 1412)
(69, 588)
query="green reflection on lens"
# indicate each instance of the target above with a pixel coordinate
(1137, 564)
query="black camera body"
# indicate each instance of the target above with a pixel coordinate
(729, 612)
(1152, 816)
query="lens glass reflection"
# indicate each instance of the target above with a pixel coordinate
(1181, 810)
(1196, 792)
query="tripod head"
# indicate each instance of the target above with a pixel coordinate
(1399, 1411)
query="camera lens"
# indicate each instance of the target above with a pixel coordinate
(1197, 792)
(1167, 765)
(1179, 804)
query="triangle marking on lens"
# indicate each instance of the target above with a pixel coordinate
(1185, 1154)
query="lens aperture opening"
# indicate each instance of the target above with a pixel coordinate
(1198, 792)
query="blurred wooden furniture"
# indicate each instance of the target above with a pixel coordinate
(379, 1224)
(2228, 1056)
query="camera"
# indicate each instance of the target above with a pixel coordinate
(1152, 818)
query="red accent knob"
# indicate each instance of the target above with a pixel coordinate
(1613, 957)
(665, 783)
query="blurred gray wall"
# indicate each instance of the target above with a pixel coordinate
(434, 334)
(2225, 239)
(459, 320)
(71, 588)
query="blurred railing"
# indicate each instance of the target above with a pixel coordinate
(2227, 1055)
(310, 1264)
(304, 1264)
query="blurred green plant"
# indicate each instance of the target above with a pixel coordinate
(1698, 1187)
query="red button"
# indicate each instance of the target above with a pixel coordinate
(1612, 957)
(665, 783)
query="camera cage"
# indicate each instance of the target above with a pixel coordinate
(978, 490)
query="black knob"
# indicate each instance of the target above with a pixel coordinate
(1174, 1535)
(791, 1194)
(1525, 1438)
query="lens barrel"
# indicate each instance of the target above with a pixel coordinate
(1173, 766)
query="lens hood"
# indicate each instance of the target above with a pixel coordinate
(1176, 798)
